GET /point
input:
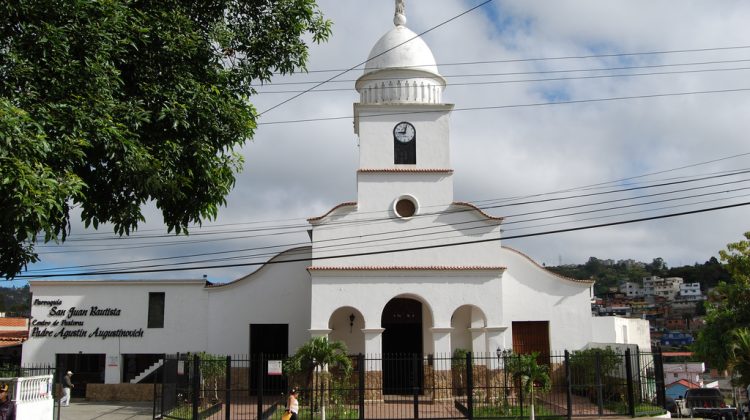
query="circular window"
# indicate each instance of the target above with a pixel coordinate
(405, 206)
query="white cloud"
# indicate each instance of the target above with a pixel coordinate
(294, 171)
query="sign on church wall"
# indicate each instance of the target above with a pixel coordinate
(63, 322)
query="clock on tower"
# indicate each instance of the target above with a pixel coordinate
(404, 144)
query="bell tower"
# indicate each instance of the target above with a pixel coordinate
(403, 126)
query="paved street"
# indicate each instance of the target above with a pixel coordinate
(84, 410)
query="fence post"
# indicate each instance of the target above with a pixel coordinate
(54, 387)
(629, 373)
(228, 389)
(153, 414)
(361, 369)
(259, 388)
(469, 385)
(659, 380)
(568, 386)
(415, 384)
(599, 386)
(196, 384)
(520, 388)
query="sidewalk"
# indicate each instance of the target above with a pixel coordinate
(84, 410)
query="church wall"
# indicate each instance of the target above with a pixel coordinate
(184, 320)
(275, 294)
(357, 235)
(531, 293)
(378, 191)
(441, 293)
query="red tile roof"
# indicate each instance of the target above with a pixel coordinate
(13, 336)
(348, 203)
(13, 322)
(473, 207)
(685, 383)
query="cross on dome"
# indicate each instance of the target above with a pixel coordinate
(399, 18)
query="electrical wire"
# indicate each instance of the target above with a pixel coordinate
(390, 251)
(380, 219)
(452, 227)
(374, 57)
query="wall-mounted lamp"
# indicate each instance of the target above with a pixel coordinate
(351, 322)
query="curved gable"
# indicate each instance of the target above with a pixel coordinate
(586, 283)
(318, 219)
(303, 253)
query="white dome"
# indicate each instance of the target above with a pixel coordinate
(413, 54)
(400, 69)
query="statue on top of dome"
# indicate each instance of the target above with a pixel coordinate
(399, 18)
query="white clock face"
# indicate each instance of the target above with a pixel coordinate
(404, 132)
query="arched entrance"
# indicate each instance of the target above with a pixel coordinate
(402, 346)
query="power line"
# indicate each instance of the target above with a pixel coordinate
(523, 73)
(528, 105)
(390, 251)
(376, 220)
(371, 58)
(570, 189)
(452, 228)
(379, 220)
(565, 57)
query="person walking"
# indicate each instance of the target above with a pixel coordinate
(7, 408)
(292, 405)
(67, 386)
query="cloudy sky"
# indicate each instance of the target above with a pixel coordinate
(550, 96)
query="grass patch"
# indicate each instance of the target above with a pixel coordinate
(513, 412)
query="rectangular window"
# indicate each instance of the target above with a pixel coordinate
(156, 310)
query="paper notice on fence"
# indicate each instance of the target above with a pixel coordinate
(274, 367)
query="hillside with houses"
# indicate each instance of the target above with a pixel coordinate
(670, 298)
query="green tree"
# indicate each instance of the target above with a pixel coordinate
(108, 105)
(213, 367)
(317, 354)
(739, 357)
(728, 307)
(525, 369)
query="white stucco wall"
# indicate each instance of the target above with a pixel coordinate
(614, 329)
(431, 123)
(185, 319)
(278, 293)
(531, 293)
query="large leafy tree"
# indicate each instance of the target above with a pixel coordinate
(728, 312)
(106, 105)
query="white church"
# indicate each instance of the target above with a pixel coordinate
(403, 268)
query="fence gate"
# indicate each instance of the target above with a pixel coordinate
(593, 382)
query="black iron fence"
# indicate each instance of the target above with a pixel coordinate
(594, 382)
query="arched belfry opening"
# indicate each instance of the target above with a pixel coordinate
(402, 346)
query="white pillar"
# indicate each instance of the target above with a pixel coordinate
(496, 339)
(441, 338)
(374, 345)
(323, 332)
(478, 340)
